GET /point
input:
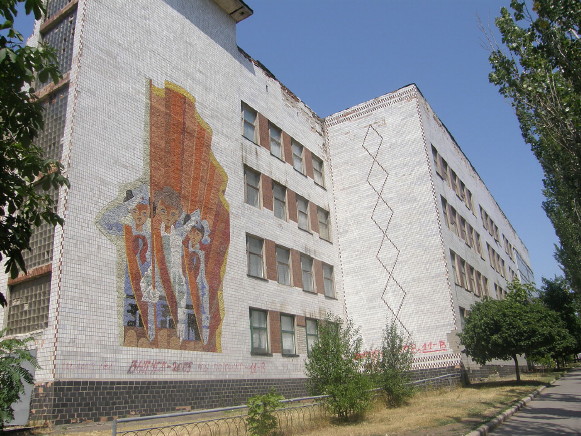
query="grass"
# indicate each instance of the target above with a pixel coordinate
(441, 412)
(444, 412)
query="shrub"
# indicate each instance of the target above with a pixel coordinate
(334, 368)
(13, 353)
(261, 420)
(391, 370)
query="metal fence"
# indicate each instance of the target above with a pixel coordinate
(296, 416)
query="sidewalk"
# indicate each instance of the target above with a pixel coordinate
(556, 411)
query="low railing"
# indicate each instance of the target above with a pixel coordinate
(296, 416)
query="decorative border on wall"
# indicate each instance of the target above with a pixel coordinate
(406, 94)
(387, 253)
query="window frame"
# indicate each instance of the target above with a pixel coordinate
(328, 279)
(244, 110)
(311, 342)
(298, 157)
(308, 272)
(257, 189)
(303, 213)
(288, 333)
(272, 127)
(277, 201)
(318, 172)
(279, 263)
(263, 330)
(250, 254)
(324, 224)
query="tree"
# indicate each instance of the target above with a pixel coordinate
(25, 176)
(392, 365)
(503, 329)
(13, 353)
(334, 368)
(556, 295)
(539, 71)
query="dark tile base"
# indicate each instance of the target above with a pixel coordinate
(63, 402)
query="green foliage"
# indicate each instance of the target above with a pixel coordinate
(13, 353)
(392, 365)
(503, 329)
(25, 175)
(334, 367)
(538, 70)
(558, 296)
(261, 420)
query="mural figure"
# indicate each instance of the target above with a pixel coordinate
(169, 271)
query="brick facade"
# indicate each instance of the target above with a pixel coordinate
(167, 247)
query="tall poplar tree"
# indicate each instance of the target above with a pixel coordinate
(539, 70)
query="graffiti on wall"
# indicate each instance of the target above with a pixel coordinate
(171, 228)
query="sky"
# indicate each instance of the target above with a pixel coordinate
(334, 54)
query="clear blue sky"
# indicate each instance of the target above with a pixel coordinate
(334, 54)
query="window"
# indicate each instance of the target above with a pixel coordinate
(275, 140)
(254, 255)
(461, 190)
(462, 317)
(453, 219)
(462, 271)
(469, 235)
(303, 213)
(478, 291)
(454, 268)
(471, 279)
(445, 169)
(251, 187)
(298, 157)
(307, 273)
(312, 334)
(485, 286)
(258, 331)
(328, 280)
(279, 193)
(462, 228)
(248, 122)
(454, 181)
(283, 266)
(323, 217)
(318, 171)
(477, 243)
(468, 200)
(445, 211)
(287, 331)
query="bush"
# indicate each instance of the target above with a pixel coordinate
(13, 353)
(261, 420)
(334, 368)
(391, 369)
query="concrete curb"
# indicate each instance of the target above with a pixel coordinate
(484, 429)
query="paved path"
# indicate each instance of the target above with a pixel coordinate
(556, 411)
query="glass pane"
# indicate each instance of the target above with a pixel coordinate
(288, 343)
(287, 323)
(258, 318)
(311, 327)
(255, 265)
(254, 245)
(252, 196)
(279, 209)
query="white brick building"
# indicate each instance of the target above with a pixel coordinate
(213, 218)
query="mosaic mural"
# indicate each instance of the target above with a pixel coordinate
(171, 228)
